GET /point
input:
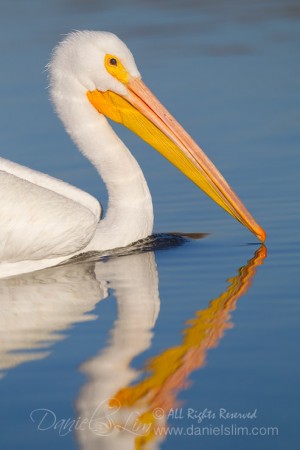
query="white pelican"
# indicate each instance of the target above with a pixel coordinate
(44, 220)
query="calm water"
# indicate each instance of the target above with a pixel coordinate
(130, 346)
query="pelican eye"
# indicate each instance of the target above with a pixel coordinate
(114, 66)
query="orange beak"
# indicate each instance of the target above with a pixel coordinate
(142, 112)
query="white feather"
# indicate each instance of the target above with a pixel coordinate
(44, 220)
(42, 223)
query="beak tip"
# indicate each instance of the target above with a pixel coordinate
(262, 236)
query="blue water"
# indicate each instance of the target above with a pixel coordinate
(174, 335)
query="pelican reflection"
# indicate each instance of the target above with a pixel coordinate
(37, 307)
(117, 404)
(125, 414)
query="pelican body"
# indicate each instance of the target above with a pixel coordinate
(44, 221)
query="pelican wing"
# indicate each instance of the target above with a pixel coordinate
(40, 217)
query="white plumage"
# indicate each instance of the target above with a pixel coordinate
(44, 221)
(34, 205)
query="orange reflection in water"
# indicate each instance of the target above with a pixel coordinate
(169, 371)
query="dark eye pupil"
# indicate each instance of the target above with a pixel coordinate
(113, 61)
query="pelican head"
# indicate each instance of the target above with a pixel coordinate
(105, 75)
